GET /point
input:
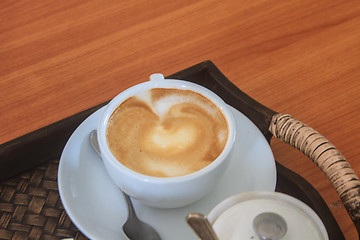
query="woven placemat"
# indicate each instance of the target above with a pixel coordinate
(30, 207)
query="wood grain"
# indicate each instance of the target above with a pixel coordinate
(58, 58)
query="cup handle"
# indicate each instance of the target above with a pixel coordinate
(156, 77)
(324, 155)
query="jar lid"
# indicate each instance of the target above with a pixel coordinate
(233, 218)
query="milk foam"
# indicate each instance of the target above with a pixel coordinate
(180, 139)
(167, 132)
(162, 107)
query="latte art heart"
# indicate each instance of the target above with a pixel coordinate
(167, 132)
(170, 140)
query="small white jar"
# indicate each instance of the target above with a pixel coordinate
(233, 218)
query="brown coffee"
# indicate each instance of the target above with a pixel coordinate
(166, 132)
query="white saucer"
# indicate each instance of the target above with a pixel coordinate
(97, 208)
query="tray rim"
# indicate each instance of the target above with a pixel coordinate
(39, 147)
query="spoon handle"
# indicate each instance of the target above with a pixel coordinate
(201, 226)
(129, 204)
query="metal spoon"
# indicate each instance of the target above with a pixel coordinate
(134, 228)
(269, 226)
(201, 226)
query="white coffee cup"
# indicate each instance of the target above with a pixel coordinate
(168, 192)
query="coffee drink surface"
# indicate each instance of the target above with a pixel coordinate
(166, 132)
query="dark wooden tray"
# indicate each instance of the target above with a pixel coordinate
(42, 148)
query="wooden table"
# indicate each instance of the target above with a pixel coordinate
(298, 57)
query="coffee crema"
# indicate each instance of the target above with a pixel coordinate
(166, 132)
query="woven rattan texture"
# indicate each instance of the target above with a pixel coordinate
(30, 207)
(324, 155)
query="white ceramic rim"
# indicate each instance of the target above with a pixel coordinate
(168, 83)
(247, 196)
(79, 158)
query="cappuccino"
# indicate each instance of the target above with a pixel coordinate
(166, 132)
